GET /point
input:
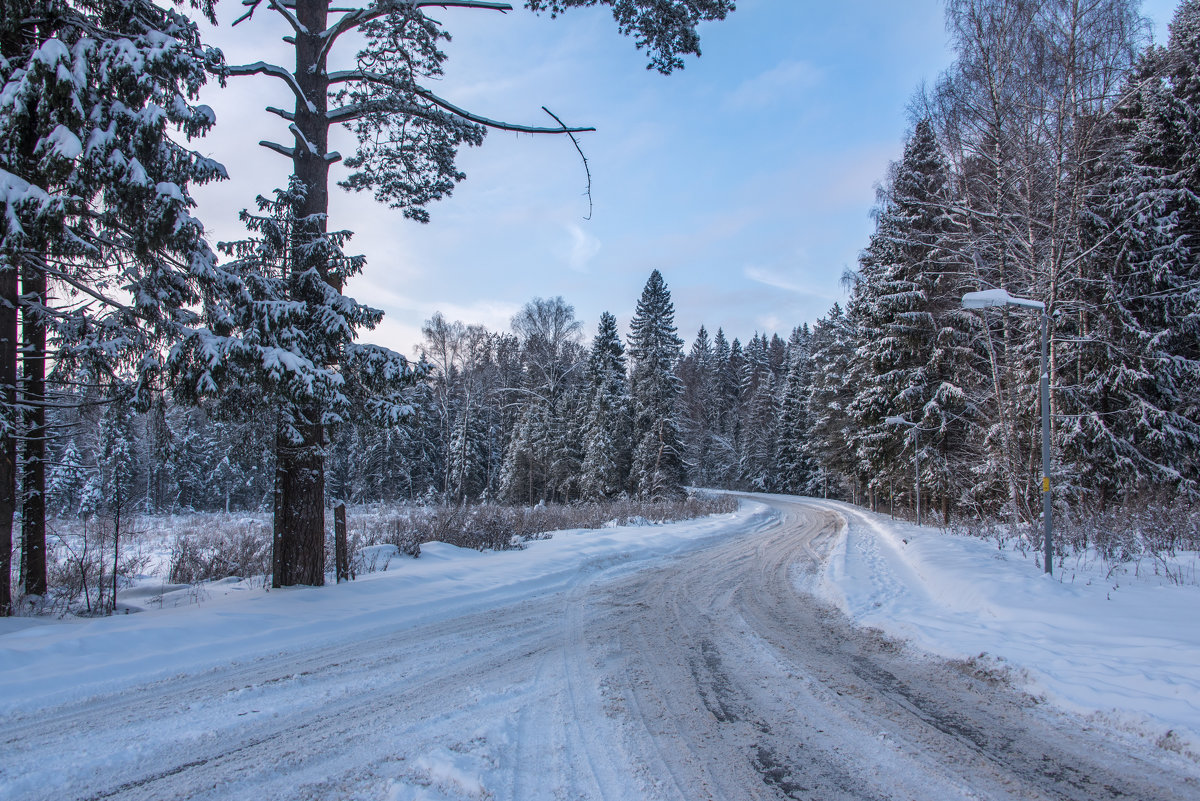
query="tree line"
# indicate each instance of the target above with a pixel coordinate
(1057, 159)
(537, 413)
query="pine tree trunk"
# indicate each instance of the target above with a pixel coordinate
(300, 467)
(33, 448)
(300, 510)
(8, 441)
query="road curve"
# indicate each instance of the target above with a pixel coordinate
(710, 676)
(740, 686)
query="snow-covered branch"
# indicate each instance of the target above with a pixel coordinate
(263, 68)
(284, 12)
(357, 110)
(288, 152)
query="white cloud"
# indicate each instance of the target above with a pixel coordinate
(778, 84)
(770, 322)
(773, 279)
(584, 248)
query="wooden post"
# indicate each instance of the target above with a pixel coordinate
(341, 551)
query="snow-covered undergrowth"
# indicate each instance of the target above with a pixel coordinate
(1161, 539)
(1119, 640)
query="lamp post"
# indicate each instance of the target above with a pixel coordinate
(900, 421)
(993, 298)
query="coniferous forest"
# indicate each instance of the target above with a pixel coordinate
(141, 370)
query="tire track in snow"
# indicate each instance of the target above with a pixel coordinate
(816, 708)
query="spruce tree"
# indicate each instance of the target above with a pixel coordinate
(658, 468)
(913, 335)
(795, 465)
(1133, 401)
(606, 449)
(724, 455)
(760, 442)
(97, 199)
(831, 425)
(286, 330)
(700, 407)
(467, 466)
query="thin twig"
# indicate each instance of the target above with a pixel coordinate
(586, 170)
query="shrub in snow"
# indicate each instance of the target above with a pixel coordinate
(79, 569)
(219, 553)
(1147, 535)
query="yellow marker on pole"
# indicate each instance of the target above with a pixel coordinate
(1045, 483)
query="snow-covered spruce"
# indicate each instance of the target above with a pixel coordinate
(95, 190)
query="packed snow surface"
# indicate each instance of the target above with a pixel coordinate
(682, 661)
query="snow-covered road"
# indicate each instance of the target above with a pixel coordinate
(704, 675)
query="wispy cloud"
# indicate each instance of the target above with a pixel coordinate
(778, 84)
(584, 248)
(774, 279)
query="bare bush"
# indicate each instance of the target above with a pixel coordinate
(1146, 533)
(79, 569)
(73, 572)
(209, 554)
(494, 527)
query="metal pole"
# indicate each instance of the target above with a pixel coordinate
(917, 460)
(1046, 512)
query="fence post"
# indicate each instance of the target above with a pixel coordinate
(341, 553)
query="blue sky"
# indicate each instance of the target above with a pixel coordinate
(747, 178)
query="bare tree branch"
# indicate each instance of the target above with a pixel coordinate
(374, 11)
(289, 152)
(587, 171)
(357, 110)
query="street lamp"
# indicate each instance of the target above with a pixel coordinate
(992, 298)
(900, 421)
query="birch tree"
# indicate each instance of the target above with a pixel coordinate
(1021, 115)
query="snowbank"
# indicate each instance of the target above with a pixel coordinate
(1123, 648)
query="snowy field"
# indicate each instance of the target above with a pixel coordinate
(1123, 649)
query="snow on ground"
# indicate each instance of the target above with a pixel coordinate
(1123, 647)
(197, 628)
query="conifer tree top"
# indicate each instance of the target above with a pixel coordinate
(652, 330)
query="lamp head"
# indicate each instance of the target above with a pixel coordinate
(991, 298)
